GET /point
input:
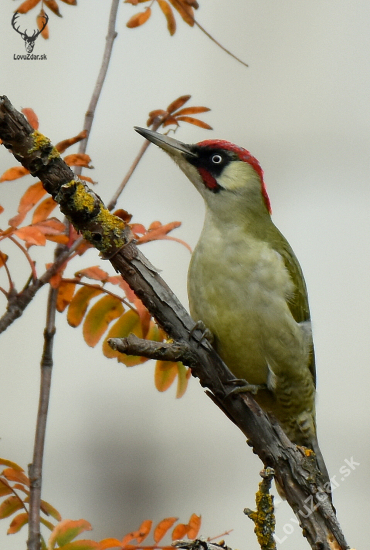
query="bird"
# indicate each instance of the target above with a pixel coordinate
(247, 287)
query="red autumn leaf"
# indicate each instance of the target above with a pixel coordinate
(178, 103)
(61, 146)
(28, 200)
(127, 323)
(15, 475)
(186, 11)
(139, 535)
(195, 121)
(31, 235)
(9, 506)
(70, 2)
(51, 226)
(67, 530)
(17, 523)
(194, 524)
(27, 6)
(89, 180)
(31, 117)
(1, 209)
(94, 272)
(139, 19)
(14, 173)
(192, 110)
(44, 209)
(78, 159)
(79, 304)
(168, 13)
(161, 529)
(99, 317)
(66, 291)
(53, 6)
(160, 232)
(40, 20)
(123, 214)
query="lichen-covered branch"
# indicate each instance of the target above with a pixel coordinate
(295, 472)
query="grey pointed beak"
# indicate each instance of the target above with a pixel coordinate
(168, 144)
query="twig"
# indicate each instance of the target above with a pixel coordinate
(89, 117)
(35, 469)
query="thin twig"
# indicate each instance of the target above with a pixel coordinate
(35, 469)
(89, 117)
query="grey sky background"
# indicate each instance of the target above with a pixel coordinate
(117, 451)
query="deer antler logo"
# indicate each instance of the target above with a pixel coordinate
(29, 41)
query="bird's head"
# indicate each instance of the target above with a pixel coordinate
(219, 170)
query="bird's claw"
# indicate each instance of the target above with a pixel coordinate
(206, 333)
(242, 386)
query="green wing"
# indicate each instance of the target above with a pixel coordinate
(298, 304)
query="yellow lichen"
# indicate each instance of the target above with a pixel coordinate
(39, 141)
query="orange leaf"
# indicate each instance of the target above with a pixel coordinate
(27, 6)
(1, 209)
(3, 258)
(168, 13)
(194, 524)
(67, 530)
(179, 102)
(192, 110)
(183, 375)
(93, 272)
(78, 159)
(40, 20)
(97, 320)
(79, 304)
(105, 544)
(9, 506)
(17, 523)
(154, 114)
(5, 490)
(51, 226)
(180, 531)
(14, 173)
(16, 475)
(127, 323)
(170, 120)
(71, 2)
(195, 121)
(11, 464)
(139, 19)
(50, 510)
(31, 117)
(65, 295)
(186, 11)
(44, 209)
(162, 528)
(144, 530)
(53, 6)
(63, 145)
(31, 235)
(164, 374)
(86, 178)
(31, 196)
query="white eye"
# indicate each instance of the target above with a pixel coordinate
(216, 159)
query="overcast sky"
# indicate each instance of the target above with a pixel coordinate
(117, 451)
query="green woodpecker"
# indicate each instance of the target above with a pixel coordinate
(246, 285)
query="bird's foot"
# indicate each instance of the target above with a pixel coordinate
(242, 386)
(206, 333)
